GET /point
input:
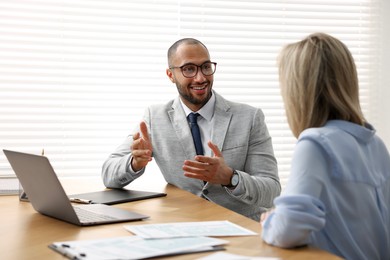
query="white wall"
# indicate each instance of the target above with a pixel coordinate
(383, 119)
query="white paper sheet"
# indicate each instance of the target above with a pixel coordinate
(185, 229)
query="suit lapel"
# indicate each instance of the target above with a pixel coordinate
(181, 128)
(222, 117)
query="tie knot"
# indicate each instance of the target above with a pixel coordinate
(193, 117)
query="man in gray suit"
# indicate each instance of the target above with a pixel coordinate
(237, 170)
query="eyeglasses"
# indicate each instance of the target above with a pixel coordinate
(190, 70)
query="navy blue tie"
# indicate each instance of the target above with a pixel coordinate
(195, 132)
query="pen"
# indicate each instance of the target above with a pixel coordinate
(81, 201)
(69, 252)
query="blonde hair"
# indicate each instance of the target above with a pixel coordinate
(319, 82)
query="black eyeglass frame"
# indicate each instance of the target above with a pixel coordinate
(197, 68)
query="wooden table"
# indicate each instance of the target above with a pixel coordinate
(26, 234)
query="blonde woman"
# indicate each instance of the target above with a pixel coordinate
(338, 194)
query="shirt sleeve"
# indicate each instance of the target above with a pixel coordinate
(299, 210)
(292, 221)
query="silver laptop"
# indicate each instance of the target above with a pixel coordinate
(48, 197)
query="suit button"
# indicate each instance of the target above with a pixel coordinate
(205, 192)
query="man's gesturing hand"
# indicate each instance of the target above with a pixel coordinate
(141, 148)
(210, 169)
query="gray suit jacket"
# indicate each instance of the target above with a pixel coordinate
(240, 133)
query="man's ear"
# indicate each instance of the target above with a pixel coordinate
(170, 75)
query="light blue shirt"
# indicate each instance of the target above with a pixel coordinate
(338, 194)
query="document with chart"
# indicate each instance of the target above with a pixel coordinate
(186, 229)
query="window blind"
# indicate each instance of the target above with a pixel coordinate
(76, 76)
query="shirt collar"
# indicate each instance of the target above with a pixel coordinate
(363, 133)
(207, 111)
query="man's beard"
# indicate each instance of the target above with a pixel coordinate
(190, 98)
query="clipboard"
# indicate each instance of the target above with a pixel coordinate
(134, 247)
(114, 196)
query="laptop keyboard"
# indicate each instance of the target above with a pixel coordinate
(89, 216)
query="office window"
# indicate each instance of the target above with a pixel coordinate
(76, 76)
